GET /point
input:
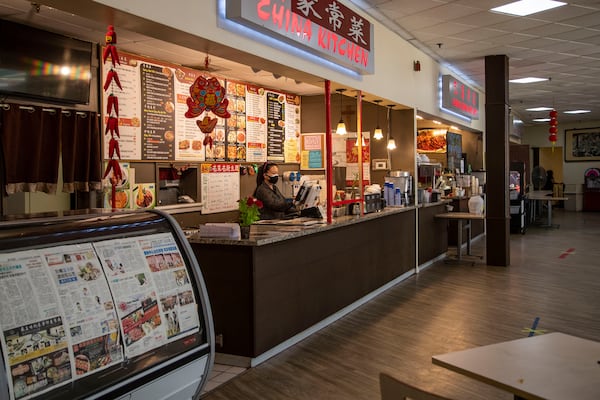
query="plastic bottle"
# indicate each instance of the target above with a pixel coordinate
(398, 197)
(386, 193)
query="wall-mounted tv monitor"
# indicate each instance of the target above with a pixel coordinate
(43, 65)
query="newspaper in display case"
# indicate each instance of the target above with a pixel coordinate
(68, 312)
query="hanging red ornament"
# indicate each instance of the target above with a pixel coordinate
(553, 130)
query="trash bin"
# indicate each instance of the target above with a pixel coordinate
(574, 193)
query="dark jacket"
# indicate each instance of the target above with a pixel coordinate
(274, 203)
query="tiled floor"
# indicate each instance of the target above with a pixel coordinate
(220, 374)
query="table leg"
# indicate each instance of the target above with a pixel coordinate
(468, 226)
(459, 240)
(550, 213)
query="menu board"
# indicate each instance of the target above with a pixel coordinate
(220, 187)
(151, 105)
(275, 125)
(454, 150)
(256, 124)
(264, 124)
(71, 311)
(291, 148)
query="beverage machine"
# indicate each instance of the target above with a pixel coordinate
(517, 190)
(398, 189)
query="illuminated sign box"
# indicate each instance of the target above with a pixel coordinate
(459, 98)
(327, 29)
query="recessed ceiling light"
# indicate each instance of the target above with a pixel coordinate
(419, 117)
(527, 7)
(518, 121)
(540, 109)
(529, 79)
(436, 122)
(541, 120)
(577, 111)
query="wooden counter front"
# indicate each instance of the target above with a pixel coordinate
(265, 290)
(433, 233)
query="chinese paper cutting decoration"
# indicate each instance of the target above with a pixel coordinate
(207, 94)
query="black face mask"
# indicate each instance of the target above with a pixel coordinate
(273, 179)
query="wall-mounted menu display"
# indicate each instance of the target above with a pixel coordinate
(69, 312)
(275, 125)
(151, 108)
(291, 148)
(256, 124)
(454, 150)
(264, 124)
(220, 187)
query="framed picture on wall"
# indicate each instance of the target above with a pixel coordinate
(582, 144)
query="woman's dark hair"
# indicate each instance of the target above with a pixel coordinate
(260, 178)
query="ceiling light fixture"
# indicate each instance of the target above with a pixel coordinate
(529, 79)
(419, 117)
(541, 119)
(577, 111)
(391, 145)
(341, 126)
(527, 7)
(378, 133)
(539, 109)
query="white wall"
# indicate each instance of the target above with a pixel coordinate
(537, 136)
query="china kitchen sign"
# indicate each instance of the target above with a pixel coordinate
(458, 98)
(326, 28)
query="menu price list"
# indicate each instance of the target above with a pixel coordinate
(275, 125)
(158, 112)
(70, 311)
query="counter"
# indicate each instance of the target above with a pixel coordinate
(433, 235)
(269, 289)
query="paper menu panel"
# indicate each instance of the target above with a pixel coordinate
(292, 129)
(256, 124)
(220, 187)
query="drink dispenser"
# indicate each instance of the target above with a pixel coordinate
(399, 180)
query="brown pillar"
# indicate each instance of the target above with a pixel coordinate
(497, 151)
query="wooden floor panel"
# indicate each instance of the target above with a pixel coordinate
(554, 275)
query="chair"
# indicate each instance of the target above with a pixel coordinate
(393, 389)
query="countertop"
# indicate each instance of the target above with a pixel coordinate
(267, 233)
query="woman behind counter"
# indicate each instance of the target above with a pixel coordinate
(275, 205)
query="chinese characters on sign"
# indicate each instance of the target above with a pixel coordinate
(459, 98)
(326, 28)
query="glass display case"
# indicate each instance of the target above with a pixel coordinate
(102, 305)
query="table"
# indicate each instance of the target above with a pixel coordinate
(546, 195)
(460, 217)
(551, 366)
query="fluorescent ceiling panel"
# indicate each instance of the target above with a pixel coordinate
(539, 109)
(577, 111)
(527, 7)
(528, 80)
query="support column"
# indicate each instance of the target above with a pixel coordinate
(497, 155)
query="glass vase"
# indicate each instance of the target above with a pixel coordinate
(245, 231)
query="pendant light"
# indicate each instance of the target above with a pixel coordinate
(341, 126)
(378, 133)
(391, 145)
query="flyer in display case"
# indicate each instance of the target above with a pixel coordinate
(105, 301)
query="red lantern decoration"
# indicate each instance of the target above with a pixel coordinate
(553, 130)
